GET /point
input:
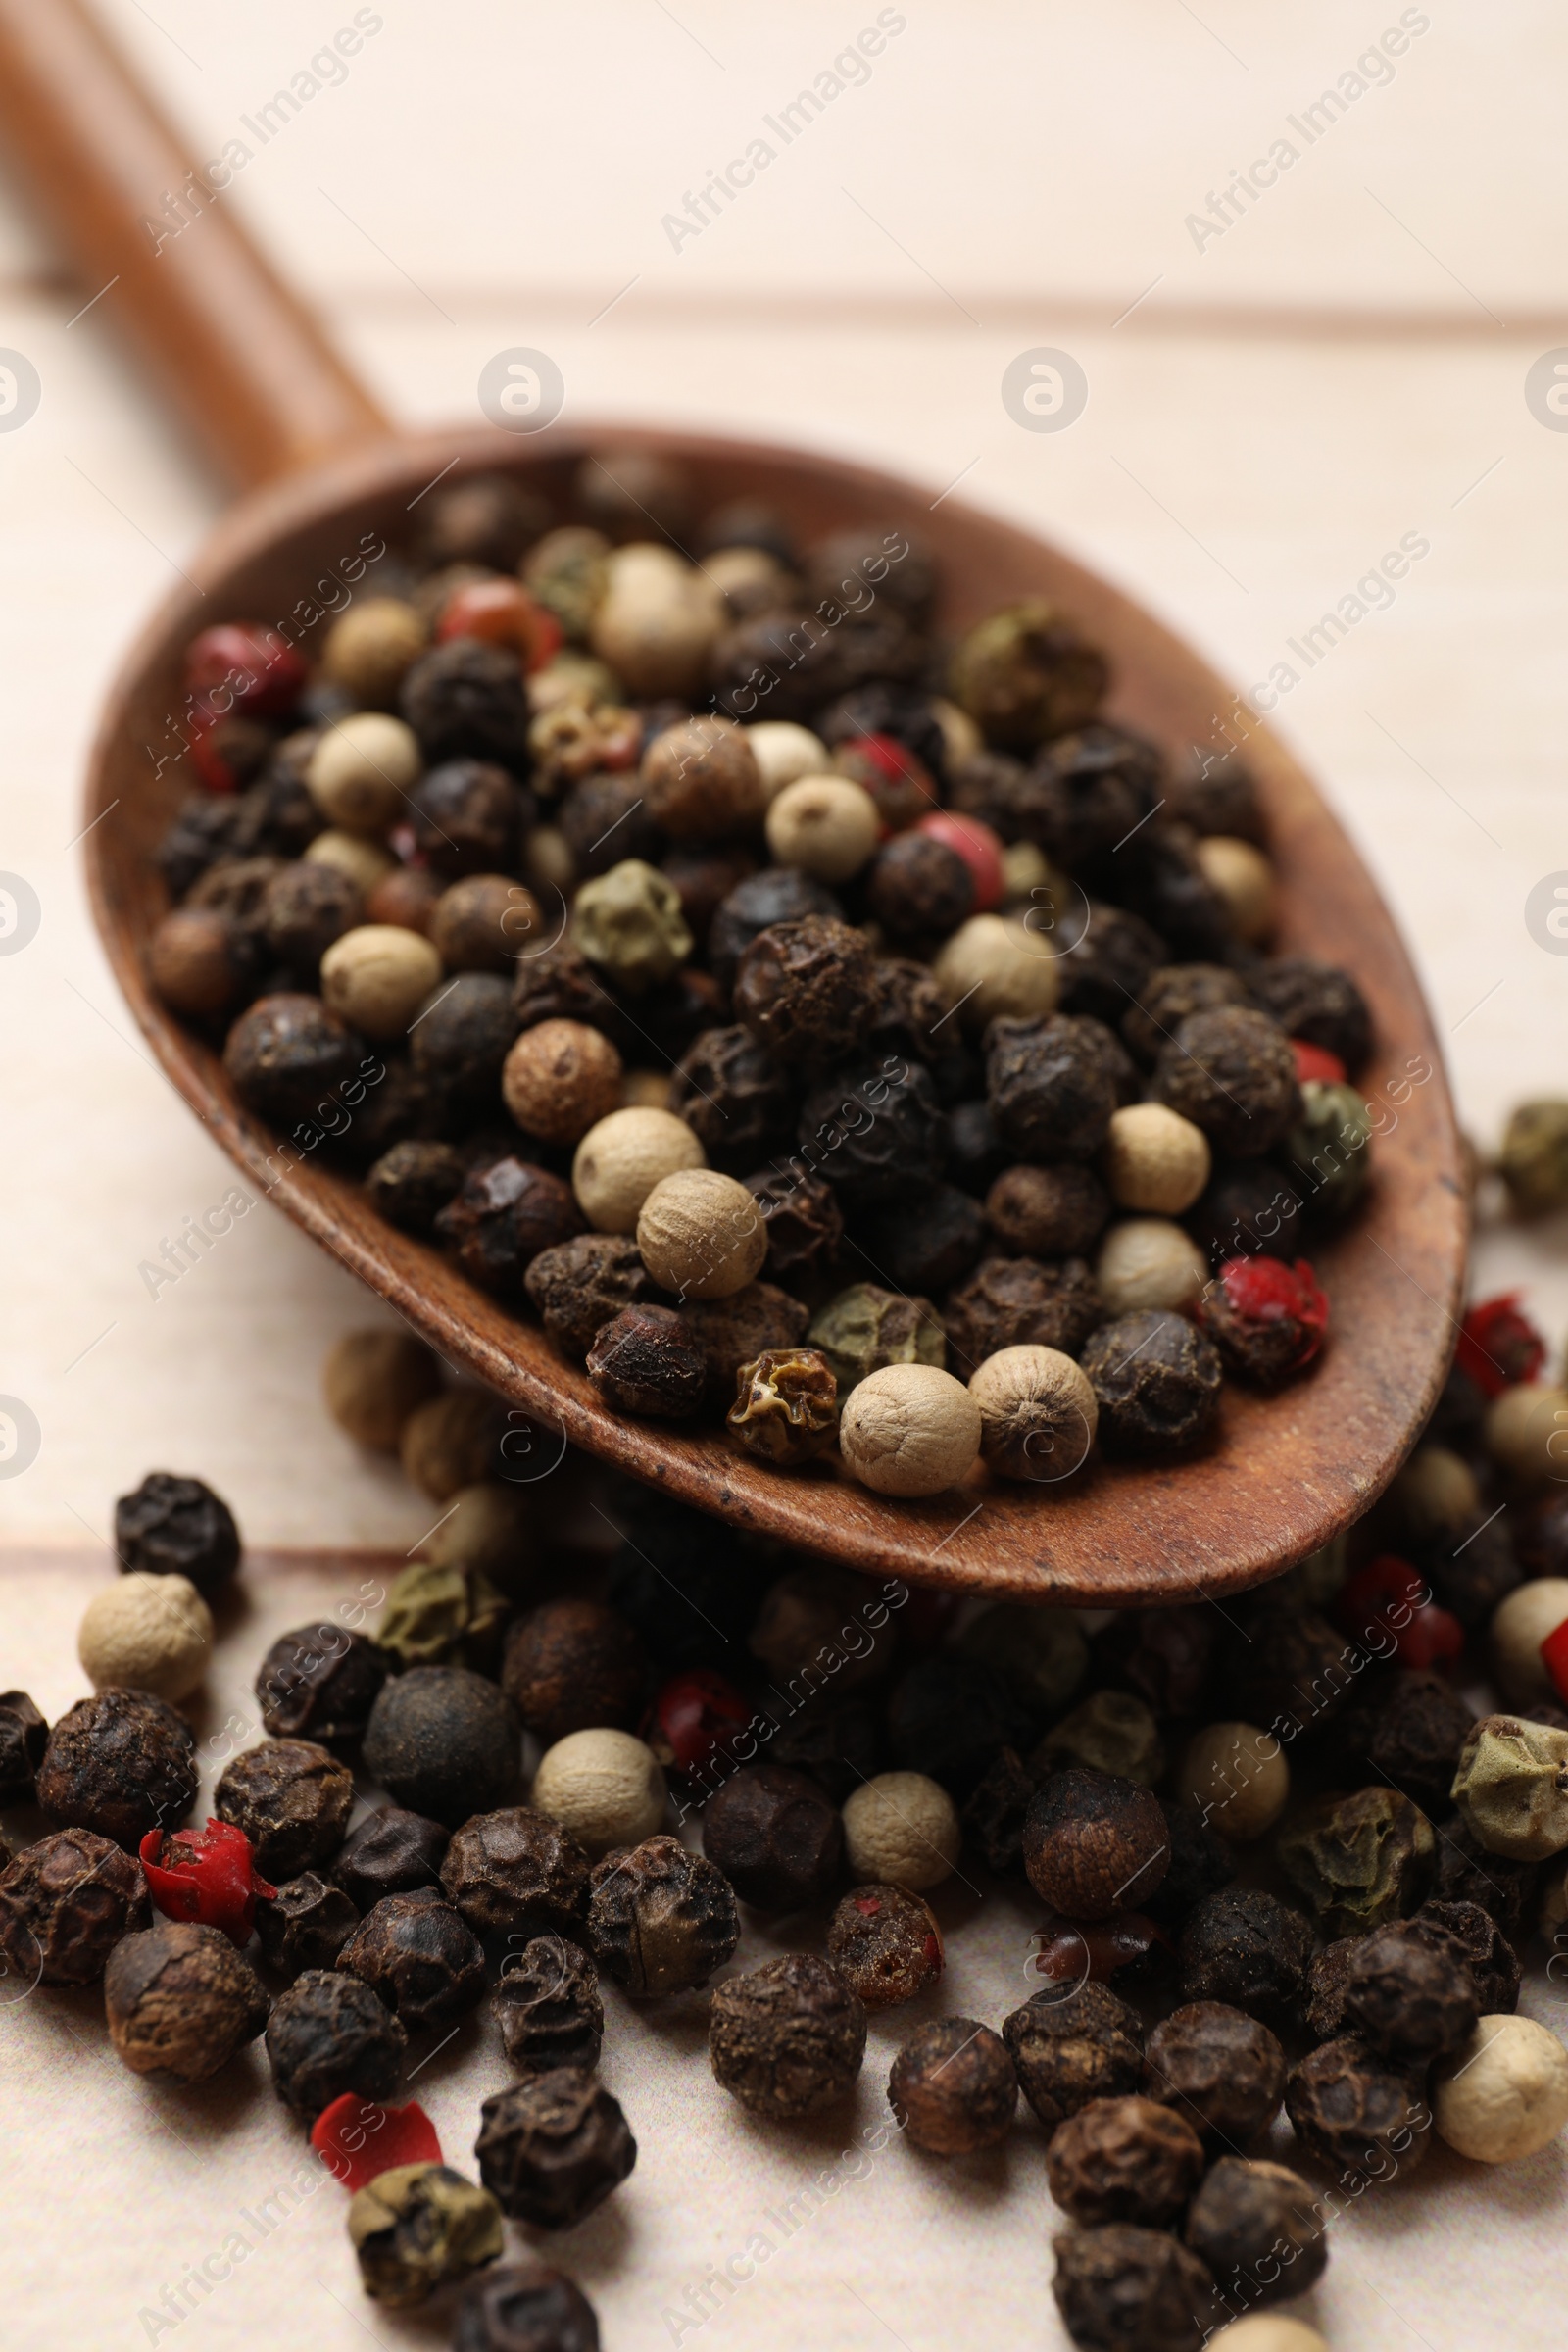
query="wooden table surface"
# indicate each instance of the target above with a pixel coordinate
(1284, 383)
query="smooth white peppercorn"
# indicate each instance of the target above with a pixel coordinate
(369, 649)
(1504, 2093)
(364, 862)
(1526, 1432)
(909, 1429)
(361, 770)
(784, 753)
(604, 1785)
(994, 967)
(619, 1161)
(377, 976)
(1038, 1413)
(1245, 880)
(902, 1829)
(823, 825)
(1238, 1778)
(146, 1633)
(656, 621)
(1520, 1622)
(1148, 1263)
(702, 1233)
(1155, 1161)
(1268, 2332)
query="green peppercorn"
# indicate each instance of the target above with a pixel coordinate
(629, 922)
(1513, 1787)
(1360, 1860)
(439, 1616)
(1328, 1145)
(865, 1328)
(786, 1407)
(419, 2227)
(1534, 1160)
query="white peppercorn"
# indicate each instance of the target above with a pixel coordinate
(360, 772)
(1038, 1413)
(1520, 1622)
(784, 753)
(604, 1785)
(619, 1161)
(1268, 2332)
(903, 1829)
(377, 976)
(1526, 1432)
(1245, 880)
(995, 968)
(1238, 1778)
(909, 1429)
(373, 1381)
(369, 649)
(656, 621)
(146, 1633)
(364, 862)
(1155, 1161)
(1504, 2093)
(1149, 1263)
(823, 825)
(701, 1234)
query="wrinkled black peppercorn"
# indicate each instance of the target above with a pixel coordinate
(1245, 1947)
(411, 1184)
(1232, 1073)
(1357, 2112)
(320, 1683)
(177, 1527)
(807, 990)
(1249, 1208)
(1172, 995)
(551, 2147)
(1124, 2160)
(571, 1664)
(1018, 1302)
(919, 888)
(417, 1952)
(1221, 2069)
(305, 1925)
(466, 701)
(647, 1361)
(121, 1764)
(178, 2000)
(660, 1918)
(787, 2039)
(391, 1852)
(953, 2088)
(507, 1212)
(947, 1717)
(292, 1798)
(1316, 1002)
(779, 894)
(289, 1058)
(1260, 2231)
(65, 1903)
(875, 1130)
(525, 2307)
(516, 1872)
(330, 2034)
(1409, 1729)
(1048, 1213)
(1408, 1993)
(1157, 1382)
(1072, 2045)
(548, 2008)
(1107, 954)
(734, 1096)
(1201, 1862)
(1123, 2289)
(1475, 1936)
(1049, 1083)
(925, 1243)
(777, 1837)
(579, 1285)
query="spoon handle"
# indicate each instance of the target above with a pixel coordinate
(162, 250)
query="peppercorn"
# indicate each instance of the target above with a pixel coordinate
(1125, 2159)
(735, 1331)
(1238, 1776)
(548, 2008)
(1409, 1729)
(788, 2039)
(619, 1161)
(292, 1798)
(120, 1764)
(419, 2227)
(702, 780)
(506, 1213)
(909, 1429)
(306, 907)
(1326, 1983)
(952, 2088)
(704, 876)
(517, 1873)
(1172, 995)
(1149, 1263)
(948, 1714)
(865, 1328)
(1259, 2230)
(303, 1925)
(1107, 954)
(391, 1852)
(996, 967)
(1201, 1864)
(202, 962)
(1162, 877)
(604, 1787)
(1318, 1003)
(883, 707)
(1245, 880)
(646, 1361)
(1475, 1936)
(1220, 2068)
(1266, 1318)
(24, 1736)
(288, 1056)
(551, 2147)
(1532, 1160)
(177, 1527)
(701, 1234)
(483, 923)
(1326, 1149)
(373, 1380)
(1083, 793)
(237, 887)
(461, 1036)
(604, 818)
(1050, 1084)
(1360, 1860)
(1408, 1993)
(779, 894)
(1232, 1073)
(775, 1835)
(804, 1222)
(925, 1241)
(1248, 1950)
(179, 2000)
(733, 1096)
(629, 922)
(437, 1616)
(919, 888)
(806, 989)
(995, 1811)
(1511, 1785)
(370, 648)
(1288, 1668)
(558, 984)
(786, 1408)
(146, 1633)
(487, 519)
(1024, 674)
(1124, 2286)
(330, 2035)
(1508, 1892)
(570, 1664)
(1020, 1303)
(1504, 2093)
(1356, 2112)
(1157, 1382)
(453, 1441)
(579, 1285)
(1092, 1844)
(1071, 2047)
(444, 1743)
(412, 1183)
(660, 1918)
(361, 770)
(65, 1903)
(320, 1683)
(525, 2307)
(1249, 1206)
(1109, 1731)
(466, 701)
(420, 1955)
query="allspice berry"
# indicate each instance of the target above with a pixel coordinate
(702, 780)
(701, 1234)
(180, 2000)
(146, 1633)
(909, 1429)
(621, 1159)
(1094, 1843)
(787, 2039)
(953, 2088)
(560, 1079)
(373, 1381)
(571, 1664)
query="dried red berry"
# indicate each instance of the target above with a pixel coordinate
(1555, 1658)
(1389, 1602)
(1266, 1318)
(242, 665)
(695, 1717)
(356, 2138)
(898, 781)
(208, 1876)
(1316, 1061)
(499, 613)
(979, 848)
(1498, 1346)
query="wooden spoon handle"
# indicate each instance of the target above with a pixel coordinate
(163, 251)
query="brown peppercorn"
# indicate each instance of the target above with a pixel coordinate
(24, 1736)
(1094, 1843)
(122, 1763)
(580, 1286)
(1408, 1993)
(1248, 1950)
(391, 1852)
(571, 1664)
(1073, 2046)
(1360, 1860)
(1471, 1932)
(1018, 1302)
(1357, 2112)
(1218, 2067)
(330, 2034)
(201, 961)
(179, 2000)
(551, 2147)
(1232, 1073)
(292, 1798)
(484, 923)
(507, 1212)
(320, 1683)
(919, 888)
(419, 2226)
(787, 2039)
(886, 1945)
(560, 1079)
(405, 899)
(1124, 2160)
(305, 1925)
(1048, 1213)
(1126, 2289)
(805, 1224)
(1408, 1728)
(1260, 2231)
(735, 1331)
(418, 1953)
(548, 2008)
(660, 1918)
(515, 1872)
(734, 1096)
(808, 990)
(786, 1407)
(289, 1056)
(776, 1835)
(411, 1184)
(702, 780)
(65, 1903)
(1157, 1382)
(525, 2307)
(952, 2088)
(646, 1360)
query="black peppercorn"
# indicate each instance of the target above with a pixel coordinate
(1470, 1579)
(1107, 955)
(1048, 1213)
(1050, 1084)
(953, 2088)
(505, 1214)
(548, 2008)
(1172, 995)
(1360, 1860)
(734, 1096)
(579, 1285)
(320, 1683)
(1232, 1073)
(65, 1903)
(737, 1331)
(647, 1361)
(292, 1798)
(1127, 2159)
(919, 888)
(776, 1835)
(179, 2000)
(947, 1717)
(177, 1527)
(570, 1664)
(1326, 1981)
(1475, 1936)
(1260, 2231)
(1407, 1728)
(1219, 796)
(660, 1918)
(1248, 1208)
(1162, 1656)
(204, 829)
(1221, 2069)
(330, 2034)
(1318, 1003)
(1408, 1992)
(994, 1813)
(681, 1582)
(1157, 1382)
(24, 1736)
(305, 1925)
(411, 1185)
(525, 2307)
(466, 701)
(551, 2147)
(462, 1035)
(1357, 2112)
(1201, 1862)
(925, 1241)
(444, 1741)
(875, 1130)
(779, 894)
(1162, 877)
(305, 906)
(485, 519)
(604, 818)
(1082, 794)
(1094, 1843)
(811, 1612)
(236, 888)
(1248, 1950)
(418, 1954)
(976, 1152)
(836, 1744)
(391, 1852)
(1289, 1669)
(1127, 2289)
(288, 1057)
(807, 990)
(516, 1872)
(805, 1224)
(1018, 1302)
(1508, 1892)
(122, 1763)
(1071, 2046)
(787, 2039)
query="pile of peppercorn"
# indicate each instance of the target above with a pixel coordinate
(828, 1029)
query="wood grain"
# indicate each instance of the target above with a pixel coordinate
(1285, 1474)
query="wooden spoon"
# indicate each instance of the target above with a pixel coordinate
(246, 365)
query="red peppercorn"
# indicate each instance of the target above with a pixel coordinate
(1266, 1318)
(898, 781)
(695, 1717)
(499, 613)
(1316, 1061)
(1498, 1346)
(208, 1876)
(1072, 1951)
(242, 665)
(979, 848)
(1434, 1638)
(1390, 1601)
(356, 2138)
(1555, 1658)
